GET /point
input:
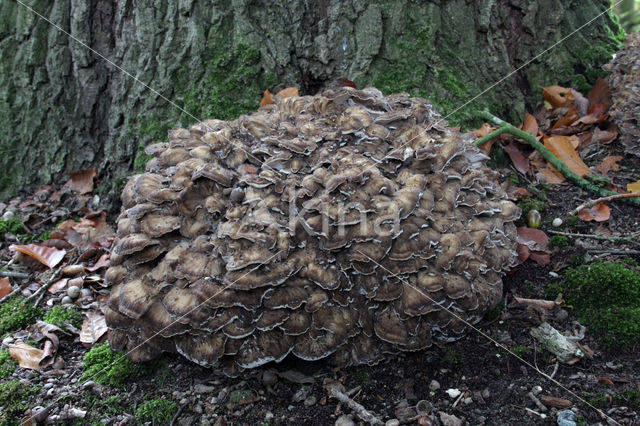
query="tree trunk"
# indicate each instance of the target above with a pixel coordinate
(62, 107)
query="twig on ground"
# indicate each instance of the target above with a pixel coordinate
(42, 290)
(601, 237)
(536, 401)
(175, 416)
(614, 251)
(551, 158)
(13, 274)
(555, 370)
(592, 203)
(362, 412)
(15, 291)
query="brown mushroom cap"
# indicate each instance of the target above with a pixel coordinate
(343, 225)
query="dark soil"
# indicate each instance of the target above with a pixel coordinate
(486, 384)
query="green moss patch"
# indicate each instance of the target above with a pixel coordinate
(13, 394)
(158, 411)
(16, 314)
(61, 315)
(104, 365)
(606, 298)
(7, 364)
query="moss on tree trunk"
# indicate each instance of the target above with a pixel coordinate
(63, 108)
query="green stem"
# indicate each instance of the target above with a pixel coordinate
(550, 157)
(486, 138)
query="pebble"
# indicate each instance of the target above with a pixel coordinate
(557, 222)
(300, 395)
(85, 292)
(562, 314)
(8, 215)
(392, 422)
(66, 300)
(310, 401)
(198, 409)
(553, 274)
(486, 393)
(200, 388)
(467, 401)
(48, 386)
(434, 385)
(565, 418)
(73, 292)
(268, 416)
(344, 420)
(453, 393)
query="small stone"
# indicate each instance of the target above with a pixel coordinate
(200, 388)
(86, 292)
(562, 314)
(310, 401)
(269, 378)
(467, 401)
(49, 385)
(453, 393)
(449, 419)
(268, 416)
(198, 409)
(8, 215)
(300, 395)
(557, 222)
(434, 385)
(73, 292)
(486, 394)
(183, 401)
(553, 274)
(66, 300)
(392, 422)
(344, 420)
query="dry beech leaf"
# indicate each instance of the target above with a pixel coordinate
(267, 98)
(516, 193)
(600, 94)
(599, 213)
(569, 118)
(82, 180)
(606, 135)
(27, 356)
(94, 327)
(103, 262)
(5, 287)
(634, 186)
(46, 255)
(609, 163)
(557, 96)
(519, 161)
(534, 239)
(482, 131)
(58, 286)
(563, 148)
(288, 92)
(552, 175)
(530, 124)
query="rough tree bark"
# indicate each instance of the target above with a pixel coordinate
(64, 108)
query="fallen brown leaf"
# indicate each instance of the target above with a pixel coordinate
(599, 213)
(27, 356)
(5, 287)
(557, 96)
(93, 329)
(287, 92)
(517, 158)
(563, 147)
(267, 98)
(634, 186)
(600, 94)
(82, 180)
(482, 131)
(103, 262)
(516, 193)
(46, 255)
(609, 163)
(530, 124)
(606, 135)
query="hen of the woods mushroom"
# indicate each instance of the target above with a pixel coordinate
(344, 225)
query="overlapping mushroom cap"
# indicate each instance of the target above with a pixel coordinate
(624, 81)
(333, 226)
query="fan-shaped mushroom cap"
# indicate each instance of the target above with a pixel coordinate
(342, 226)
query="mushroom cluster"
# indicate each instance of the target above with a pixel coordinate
(624, 81)
(346, 225)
